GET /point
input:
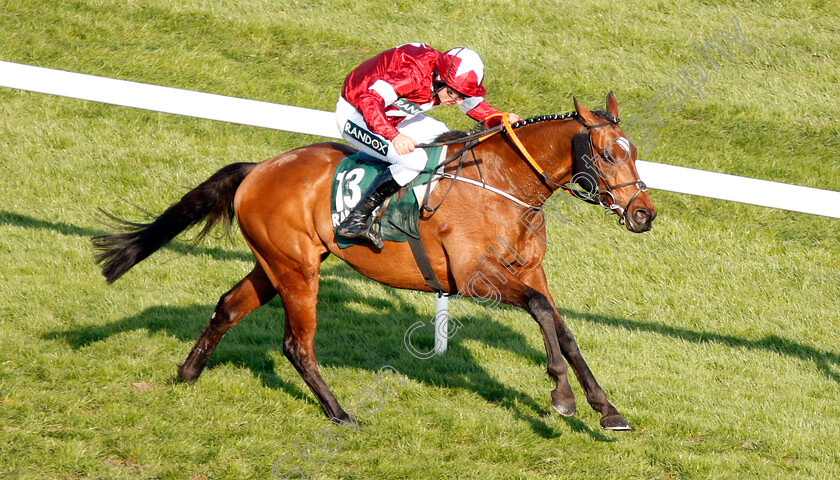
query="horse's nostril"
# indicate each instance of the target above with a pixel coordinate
(641, 215)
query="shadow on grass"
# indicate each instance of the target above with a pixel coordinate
(248, 345)
(360, 339)
(352, 334)
(824, 361)
(26, 221)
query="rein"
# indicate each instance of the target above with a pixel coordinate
(473, 139)
(470, 141)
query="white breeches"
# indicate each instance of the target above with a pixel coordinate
(404, 168)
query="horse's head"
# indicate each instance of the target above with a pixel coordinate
(605, 166)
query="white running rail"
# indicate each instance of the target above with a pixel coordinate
(317, 122)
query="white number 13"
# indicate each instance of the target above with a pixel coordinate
(352, 178)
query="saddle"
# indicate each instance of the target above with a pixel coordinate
(398, 218)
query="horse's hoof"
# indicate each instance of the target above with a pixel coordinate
(187, 374)
(565, 408)
(614, 422)
(347, 421)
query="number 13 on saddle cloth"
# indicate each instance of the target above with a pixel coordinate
(353, 176)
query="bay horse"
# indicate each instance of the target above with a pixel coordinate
(282, 206)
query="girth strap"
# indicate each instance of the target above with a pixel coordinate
(423, 264)
(422, 261)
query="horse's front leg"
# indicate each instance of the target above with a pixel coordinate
(595, 395)
(562, 398)
(514, 292)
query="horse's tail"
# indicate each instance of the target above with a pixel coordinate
(213, 200)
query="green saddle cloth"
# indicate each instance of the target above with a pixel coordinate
(351, 180)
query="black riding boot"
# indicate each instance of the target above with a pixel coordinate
(355, 225)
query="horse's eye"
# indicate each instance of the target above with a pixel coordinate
(622, 152)
(606, 155)
(624, 144)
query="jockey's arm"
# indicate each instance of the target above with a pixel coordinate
(372, 103)
(478, 109)
(386, 90)
(372, 107)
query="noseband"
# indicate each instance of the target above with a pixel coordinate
(585, 173)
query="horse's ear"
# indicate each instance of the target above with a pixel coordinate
(612, 105)
(587, 117)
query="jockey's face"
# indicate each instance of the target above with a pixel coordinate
(448, 96)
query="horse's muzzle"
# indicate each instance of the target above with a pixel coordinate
(640, 220)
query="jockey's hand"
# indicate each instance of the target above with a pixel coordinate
(513, 118)
(403, 144)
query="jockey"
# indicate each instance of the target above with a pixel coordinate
(379, 112)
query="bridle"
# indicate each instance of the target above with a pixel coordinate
(584, 164)
(592, 192)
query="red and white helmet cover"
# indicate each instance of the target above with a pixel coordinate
(463, 70)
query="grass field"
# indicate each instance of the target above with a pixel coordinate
(715, 334)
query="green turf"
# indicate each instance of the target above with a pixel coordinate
(715, 334)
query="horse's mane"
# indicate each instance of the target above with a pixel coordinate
(455, 135)
(450, 136)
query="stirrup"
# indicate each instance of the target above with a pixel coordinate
(372, 234)
(360, 229)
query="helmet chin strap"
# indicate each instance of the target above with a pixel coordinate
(437, 89)
(437, 86)
(441, 83)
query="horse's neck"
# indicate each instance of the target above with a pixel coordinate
(549, 143)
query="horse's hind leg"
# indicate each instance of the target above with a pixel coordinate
(299, 293)
(253, 291)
